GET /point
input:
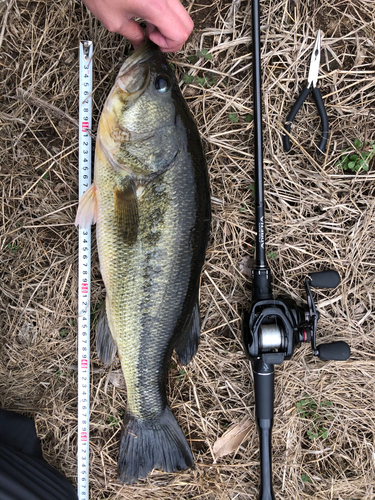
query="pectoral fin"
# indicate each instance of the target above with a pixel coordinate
(188, 342)
(87, 213)
(105, 345)
(126, 210)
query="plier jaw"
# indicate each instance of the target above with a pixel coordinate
(311, 85)
(314, 64)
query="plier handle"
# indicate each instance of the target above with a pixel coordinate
(312, 81)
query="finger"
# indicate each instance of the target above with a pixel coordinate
(171, 32)
(131, 30)
(116, 22)
(170, 37)
(155, 36)
(165, 45)
(182, 13)
(149, 29)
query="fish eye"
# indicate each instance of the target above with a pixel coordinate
(162, 84)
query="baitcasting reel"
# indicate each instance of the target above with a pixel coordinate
(274, 327)
(271, 331)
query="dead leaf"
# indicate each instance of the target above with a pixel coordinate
(234, 8)
(25, 334)
(232, 438)
(246, 266)
(59, 187)
(117, 379)
(361, 53)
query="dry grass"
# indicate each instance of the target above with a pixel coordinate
(317, 217)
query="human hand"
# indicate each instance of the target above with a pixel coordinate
(168, 23)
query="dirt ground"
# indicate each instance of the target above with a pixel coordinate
(318, 215)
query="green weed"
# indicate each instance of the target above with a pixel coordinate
(358, 160)
(233, 117)
(114, 421)
(193, 58)
(201, 80)
(204, 53)
(205, 81)
(188, 78)
(308, 409)
(13, 247)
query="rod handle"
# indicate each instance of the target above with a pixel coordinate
(265, 436)
(264, 395)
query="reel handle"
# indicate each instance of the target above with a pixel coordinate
(325, 279)
(334, 351)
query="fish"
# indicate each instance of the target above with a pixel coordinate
(150, 200)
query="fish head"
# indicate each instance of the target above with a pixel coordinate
(146, 86)
(139, 118)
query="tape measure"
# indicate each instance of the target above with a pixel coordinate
(84, 269)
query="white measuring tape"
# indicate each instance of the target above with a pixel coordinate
(84, 269)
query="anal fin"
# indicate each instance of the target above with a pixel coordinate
(105, 345)
(187, 344)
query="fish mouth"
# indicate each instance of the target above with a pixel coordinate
(141, 55)
(134, 75)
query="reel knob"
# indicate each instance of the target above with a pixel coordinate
(325, 279)
(335, 351)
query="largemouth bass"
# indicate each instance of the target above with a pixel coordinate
(151, 203)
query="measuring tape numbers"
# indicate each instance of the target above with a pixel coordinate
(84, 270)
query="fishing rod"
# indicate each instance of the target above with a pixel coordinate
(275, 326)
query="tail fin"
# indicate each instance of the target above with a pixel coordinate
(152, 444)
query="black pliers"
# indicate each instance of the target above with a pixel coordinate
(312, 80)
